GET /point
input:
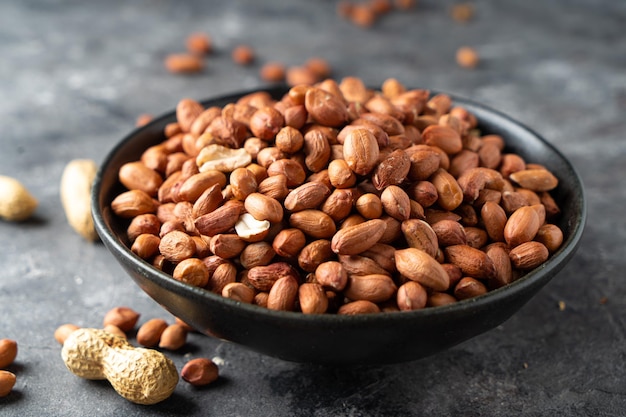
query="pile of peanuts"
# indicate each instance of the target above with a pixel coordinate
(338, 198)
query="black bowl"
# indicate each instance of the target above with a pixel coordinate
(337, 339)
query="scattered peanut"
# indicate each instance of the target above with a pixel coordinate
(75, 190)
(200, 372)
(63, 331)
(16, 202)
(8, 352)
(386, 200)
(173, 337)
(7, 381)
(243, 55)
(467, 57)
(123, 317)
(142, 376)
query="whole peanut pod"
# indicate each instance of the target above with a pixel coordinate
(142, 376)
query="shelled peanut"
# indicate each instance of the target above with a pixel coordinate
(336, 198)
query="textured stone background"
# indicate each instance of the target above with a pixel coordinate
(74, 75)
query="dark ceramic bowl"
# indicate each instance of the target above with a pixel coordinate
(375, 338)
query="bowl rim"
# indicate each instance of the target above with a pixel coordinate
(164, 280)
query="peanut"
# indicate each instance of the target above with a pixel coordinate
(16, 202)
(200, 372)
(8, 352)
(142, 376)
(337, 198)
(7, 381)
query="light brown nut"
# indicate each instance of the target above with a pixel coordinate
(419, 266)
(522, 226)
(511, 163)
(392, 170)
(353, 89)
(291, 169)
(289, 242)
(209, 200)
(224, 274)
(63, 331)
(137, 176)
(226, 245)
(423, 192)
(183, 63)
(220, 220)
(144, 223)
(200, 372)
(332, 275)
(340, 175)
(274, 187)
(358, 307)
(375, 288)
(289, 140)
(7, 382)
(551, 236)
(535, 179)
(436, 299)
(383, 255)
(314, 223)
(256, 254)
(369, 206)
(489, 156)
(424, 162)
(123, 317)
(204, 119)
(420, 235)
(449, 232)
(462, 162)
(314, 254)
(283, 294)
(360, 151)
(474, 180)
(387, 123)
(149, 333)
(391, 88)
(133, 203)
(529, 255)
(361, 265)
(449, 191)
(8, 352)
(177, 246)
(494, 219)
(266, 122)
(173, 337)
(239, 292)
(192, 271)
(243, 183)
(312, 298)
(444, 138)
(309, 195)
(469, 287)
(396, 203)
(500, 258)
(476, 237)
(187, 110)
(272, 72)
(393, 230)
(263, 277)
(552, 208)
(146, 246)
(340, 203)
(262, 207)
(155, 157)
(356, 239)
(325, 108)
(317, 150)
(411, 296)
(512, 200)
(473, 262)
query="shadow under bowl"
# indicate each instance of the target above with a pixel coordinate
(338, 339)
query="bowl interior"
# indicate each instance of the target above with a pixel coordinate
(377, 338)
